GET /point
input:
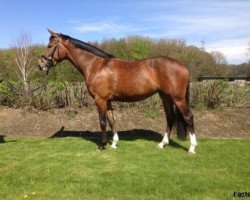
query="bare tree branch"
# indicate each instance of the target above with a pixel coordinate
(23, 57)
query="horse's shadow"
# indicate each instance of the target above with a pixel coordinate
(129, 135)
(2, 139)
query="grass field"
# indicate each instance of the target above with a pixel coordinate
(72, 168)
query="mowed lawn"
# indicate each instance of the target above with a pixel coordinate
(72, 168)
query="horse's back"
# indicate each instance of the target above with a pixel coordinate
(152, 70)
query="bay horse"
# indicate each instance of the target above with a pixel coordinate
(111, 79)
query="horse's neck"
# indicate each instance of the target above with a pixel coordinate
(82, 60)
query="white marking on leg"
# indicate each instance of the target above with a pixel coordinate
(115, 140)
(164, 141)
(193, 143)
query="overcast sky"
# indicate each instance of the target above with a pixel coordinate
(224, 25)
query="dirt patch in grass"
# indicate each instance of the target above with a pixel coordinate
(228, 123)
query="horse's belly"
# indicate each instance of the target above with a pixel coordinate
(134, 94)
(135, 85)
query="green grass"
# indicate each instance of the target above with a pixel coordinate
(72, 168)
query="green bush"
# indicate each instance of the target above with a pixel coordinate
(9, 93)
(139, 49)
(212, 94)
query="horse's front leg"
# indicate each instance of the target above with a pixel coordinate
(102, 110)
(111, 121)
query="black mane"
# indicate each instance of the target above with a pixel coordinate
(87, 47)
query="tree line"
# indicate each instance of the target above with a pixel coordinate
(19, 61)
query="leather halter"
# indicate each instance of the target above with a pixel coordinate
(50, 57)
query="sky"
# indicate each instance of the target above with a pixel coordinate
(224, 25)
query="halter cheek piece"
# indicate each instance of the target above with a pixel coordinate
(49, 58)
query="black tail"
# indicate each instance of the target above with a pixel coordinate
(181, 125)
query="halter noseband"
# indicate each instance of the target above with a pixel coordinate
(49, 58)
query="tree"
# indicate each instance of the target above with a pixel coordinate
(1, 67)
(138, 47)
(248, 53)
(23, 57)
(4, 73)
(219, 58)
(219, 67)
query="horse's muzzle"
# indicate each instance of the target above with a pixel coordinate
(42, 65)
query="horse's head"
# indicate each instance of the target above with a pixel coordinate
(54, 53)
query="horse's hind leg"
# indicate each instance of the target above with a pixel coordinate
(111, 121)
(188, 116)
(170, 117)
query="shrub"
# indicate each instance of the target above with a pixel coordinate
(9, 93)
(55, 94)
(213, 94)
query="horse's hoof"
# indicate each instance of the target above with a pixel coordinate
(101, 148)
(161, 145)
(98, 150)
(191, 152)
(113, 146)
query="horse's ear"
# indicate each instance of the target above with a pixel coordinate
(53, 33)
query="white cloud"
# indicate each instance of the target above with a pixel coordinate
(216, 21)
(101, 27)
(203, 24)
(72, 21)
(234, 49)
